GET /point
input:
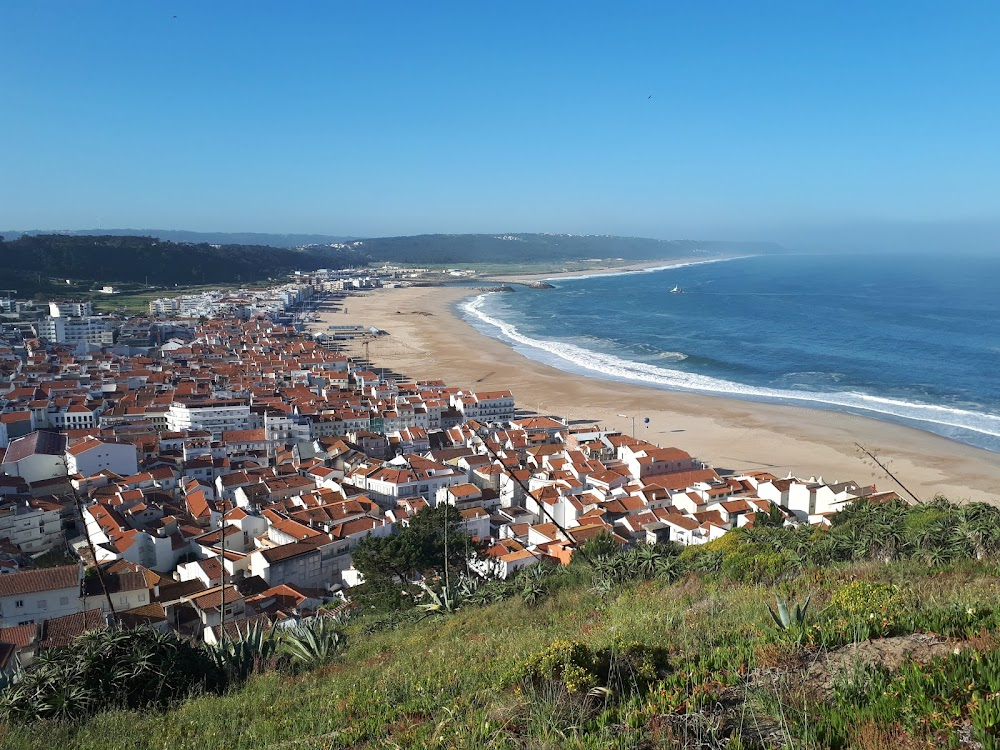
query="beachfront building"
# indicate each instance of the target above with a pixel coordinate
(485, 406)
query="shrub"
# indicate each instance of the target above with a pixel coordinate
(625, 668)
(569, 662)
(753, 563)
(790, 622)
(109, 669)
(869, 600)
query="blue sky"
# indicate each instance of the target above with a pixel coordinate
(371, 118)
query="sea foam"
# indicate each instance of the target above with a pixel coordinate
(642, 373)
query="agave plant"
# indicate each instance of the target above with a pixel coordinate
(104, 669)
(648, 560)
(445, 602)
(468, 586)
(533, 589)
(250, 652)
(314, 643)
(790, 621)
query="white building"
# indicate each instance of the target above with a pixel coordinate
(313, 563)
(70, 309)
(215, 416)
(36, 595)
(36, 457)
(410, 476)
(486, 406)
(87, 330)
(34, 526)
(91, 456)
(75, 417)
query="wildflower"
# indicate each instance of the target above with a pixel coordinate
(956, 650)
(970, 611)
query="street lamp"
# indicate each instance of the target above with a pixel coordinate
(626, 416)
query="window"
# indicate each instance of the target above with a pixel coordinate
(19, 603)
(63, 600)
(43, 604)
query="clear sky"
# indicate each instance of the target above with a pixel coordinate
(666, 119)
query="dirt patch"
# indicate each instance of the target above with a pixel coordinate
(889, 653)
(814, 672)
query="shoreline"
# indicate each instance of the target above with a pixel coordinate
(429, 340)
(646, 266)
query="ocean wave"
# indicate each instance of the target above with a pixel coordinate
(648, 374)
(672, 356)
(669, 267)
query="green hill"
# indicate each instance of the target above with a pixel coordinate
(43, 262)
(197, 238)
(648, 649)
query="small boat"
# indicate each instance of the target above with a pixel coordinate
(677, 290)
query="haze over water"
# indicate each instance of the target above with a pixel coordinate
(912, 340)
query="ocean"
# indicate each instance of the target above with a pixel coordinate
(914, 340)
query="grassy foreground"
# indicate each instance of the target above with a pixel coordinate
(929, 678)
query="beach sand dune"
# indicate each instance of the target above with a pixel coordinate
(427, 340)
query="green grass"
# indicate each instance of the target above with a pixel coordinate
(452, 681)
(54, 558)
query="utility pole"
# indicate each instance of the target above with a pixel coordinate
(93, 554)
(222, 575)
(447, 587)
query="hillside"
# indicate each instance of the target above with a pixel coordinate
(33, 262)
(287, 241)
(652, 648)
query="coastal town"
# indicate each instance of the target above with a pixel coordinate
(213, 465)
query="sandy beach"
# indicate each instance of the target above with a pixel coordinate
(427, 340)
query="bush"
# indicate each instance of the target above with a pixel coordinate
(625, 668)
(111, 669)
(869, 600)
(569, 662)
(753, 563)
